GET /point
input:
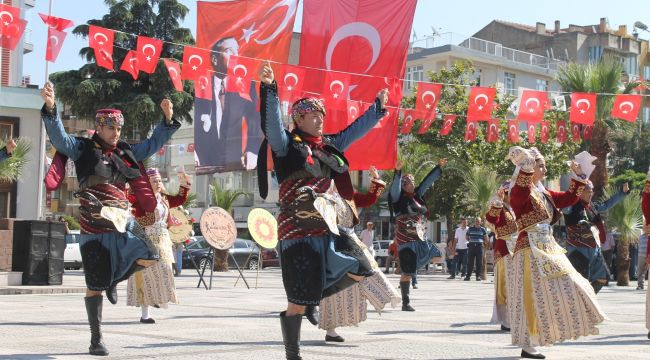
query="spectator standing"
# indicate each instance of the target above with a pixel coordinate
(477, 238)
(608, 251)
(461, 249)
(368, 236)
(642, 266)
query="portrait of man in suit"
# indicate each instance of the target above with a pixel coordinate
(222, 141)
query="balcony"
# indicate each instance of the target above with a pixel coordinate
(486, 47)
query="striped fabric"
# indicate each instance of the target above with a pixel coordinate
(287, 228)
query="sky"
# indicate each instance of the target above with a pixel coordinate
(460, 17)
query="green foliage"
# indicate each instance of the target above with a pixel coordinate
(91, 87)
(625, 217)
(631, 150)
(223, 198)
(191, 201)
(636, 179)
(73, 224)
(11, 168)
(481, 183)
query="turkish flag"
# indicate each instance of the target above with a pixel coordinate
(470, 130)
(513, 131)
(561, 132)
(545, 131)
(427, 99)
(149, 50)
(174, 70)
(425, 125)
(408, 119)
(290, 80)
(57, 23)
(335, 90)
(448, 124)
(481, 101)
(55, 40)
(11, 26)
(130, 64)
(586, 132)
(626, 107)
(195, 62)
(531, 133)
(190, 147)
(531, 107)
(355, 109)
(203, 86)
(240, 74)
(492, 130)
(575, 132)
(369, 37)
(101, 41)
(583, 108)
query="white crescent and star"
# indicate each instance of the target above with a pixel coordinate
(293, 76)
(361, 29)
(481, 96)
(203, 81)
(100, 34)
(581, 101)
(248, 33)
(54, 40)
(532, 108)
(335, 93)
(292, 7)
(354, 111)
(189, 61)
(172, 72)
(132, 62)
(424, 98)
(512, 129)
(626, 103)
(11, 17)
(149, 46)
(493, 128)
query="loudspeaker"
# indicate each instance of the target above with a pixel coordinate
(38, 249)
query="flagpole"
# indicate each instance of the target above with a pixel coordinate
(41, 152)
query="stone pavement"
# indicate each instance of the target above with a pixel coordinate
(232, 322)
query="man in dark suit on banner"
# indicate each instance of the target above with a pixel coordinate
(220, 143)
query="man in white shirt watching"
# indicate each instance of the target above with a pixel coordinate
(367, 237)
(460, 260)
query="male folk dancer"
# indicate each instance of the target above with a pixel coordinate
(112, 245)
(306, 163)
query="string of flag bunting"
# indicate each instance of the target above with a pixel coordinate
(196, 66)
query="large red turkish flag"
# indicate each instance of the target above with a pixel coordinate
(481, 101)
(11, 26)
(583, 108)
(367, 37)
(531, 108)
(626, 107)
(427, 99)
(149, 50)
(101, 41)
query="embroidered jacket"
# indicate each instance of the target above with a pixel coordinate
(530, 208)
(581, 216)
(504, 222)
(146, 218)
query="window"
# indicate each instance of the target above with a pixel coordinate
(646, 72)
(477, 77)
(509, 83)
(413, 75)
(595, 53)
(542, 85)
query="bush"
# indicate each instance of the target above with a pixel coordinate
(73, 224)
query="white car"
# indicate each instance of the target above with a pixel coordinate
(72, 254)
(381, 251)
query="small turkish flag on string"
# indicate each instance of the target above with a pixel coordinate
(531, 108)
(335, 89)
(561, 132)
(427, 99)
(101, 41)
(149, 50)
(470, 130)
(354, 110)
(56, 22)
(240, 75)
(586, 132)
(195, 62)
(174, 70)
(55, 40)
(425, 125)
(130, 64)
(492, 130)
(575, 132)
(481, 101)
(11, 26)
(290, 80)
(544, 132)
(190, 147)
(448, 124)
(161, 152)
(408, 119)
(626, 107)
(203, 86)
(531, 133)
(583, 108)
(513, 131)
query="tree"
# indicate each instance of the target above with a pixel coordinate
(603, 77)
(11, 167)
(225, 200)
(626, 219)
(91, 87)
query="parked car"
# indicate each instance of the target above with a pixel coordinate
(381, 251)
(245, 252)
(72, 254)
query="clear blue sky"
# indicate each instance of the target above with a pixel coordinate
(463, 17)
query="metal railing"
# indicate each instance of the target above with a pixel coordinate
(487, 47)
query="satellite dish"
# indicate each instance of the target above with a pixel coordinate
(640, 25)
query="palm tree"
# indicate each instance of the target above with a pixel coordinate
(604, 77)
(627, 219)
(11, 168)
(225, 200)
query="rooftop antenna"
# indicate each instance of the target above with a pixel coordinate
(434, 32)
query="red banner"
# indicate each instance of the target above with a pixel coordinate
(425, 125)
(583, 108)
(130, 64)
(427, 99)
(362, 37)
(470, 130)
(575, 132)
(227, 129)
(626, 107)
(531, 108)
(195, 62)
(561, 132)
(55, 40)
(290, 80)
(174, 70)
(531, 133)
(448, 124)
(481, 101)
(101, 41)
(513, 131)
(56, 23)
(545, 132)
(587, 131)
(492, 130)
(407, 121)
(11, 26)
(149, 50)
